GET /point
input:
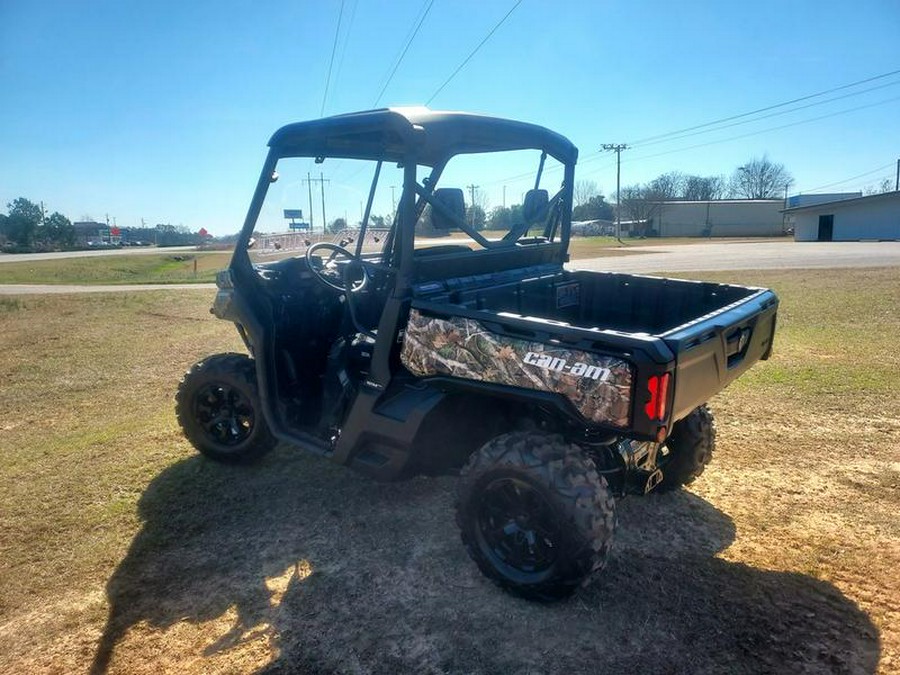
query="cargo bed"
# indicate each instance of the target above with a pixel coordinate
(703, 334)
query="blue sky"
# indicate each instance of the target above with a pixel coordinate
(161, 110)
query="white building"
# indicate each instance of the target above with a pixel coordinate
(874, 217)
(819, 198)
(720, 218)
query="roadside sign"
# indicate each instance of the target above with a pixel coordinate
(293, 213)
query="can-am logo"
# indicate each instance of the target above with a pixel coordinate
(556, 364)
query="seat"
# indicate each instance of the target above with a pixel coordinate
(448, 208)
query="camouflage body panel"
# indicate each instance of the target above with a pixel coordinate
(598, 386)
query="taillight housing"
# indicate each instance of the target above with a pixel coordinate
(658, 394)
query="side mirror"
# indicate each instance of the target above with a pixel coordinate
(537, 203)
(251, 243)
(448, 208)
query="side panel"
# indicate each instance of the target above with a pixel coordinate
(598, 386)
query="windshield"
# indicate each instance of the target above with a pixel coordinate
(312, 202)
(330, 200)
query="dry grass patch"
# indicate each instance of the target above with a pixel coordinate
(122, 548)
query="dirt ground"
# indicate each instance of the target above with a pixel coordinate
(124, 552)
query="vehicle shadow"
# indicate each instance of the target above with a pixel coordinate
(214, 536)
(373, 579)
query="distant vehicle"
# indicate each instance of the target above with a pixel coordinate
(550, 391)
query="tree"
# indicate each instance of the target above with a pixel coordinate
(584, 190)
(22, 222)
(666, 187)
(703, 188)
(886, 185)
(57, 231)
(596, 208)
(475, 216)
(337, 225)
(641, 203)
(26, 209)
(504, 217)
(760, 179)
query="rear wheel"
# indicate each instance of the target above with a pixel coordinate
(690, 447)
(535, 515)
(218, 408)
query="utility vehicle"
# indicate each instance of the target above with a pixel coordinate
(550, 391)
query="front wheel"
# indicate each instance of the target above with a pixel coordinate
(535, 515)
(218, 408)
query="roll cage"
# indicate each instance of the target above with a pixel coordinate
(414, 137)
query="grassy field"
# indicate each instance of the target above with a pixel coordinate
(167, 268)
(164, 268)
(121, 548)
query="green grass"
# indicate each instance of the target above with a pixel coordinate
(170, 268)
(160, 268)
(105, 510)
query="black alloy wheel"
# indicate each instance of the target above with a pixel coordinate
(517, 527)
(219, 409)
(224, 413)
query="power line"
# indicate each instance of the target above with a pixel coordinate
(347, 34)
(763, 117)
(597, 155)
(763, 131)
(474, 51)
(847, 180)
(403, 53)
(769, 107)
(337, 32)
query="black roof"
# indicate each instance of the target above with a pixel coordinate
(434, 137)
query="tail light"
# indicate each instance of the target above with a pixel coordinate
(658, 391)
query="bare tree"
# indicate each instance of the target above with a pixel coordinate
(641, 204)
(760, 179)
(584, 190)
(886, 185)
(703, 188)
(667, 186)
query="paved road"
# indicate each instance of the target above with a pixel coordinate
(644, 260)
(749, 256)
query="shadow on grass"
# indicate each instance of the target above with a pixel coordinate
(374, 579)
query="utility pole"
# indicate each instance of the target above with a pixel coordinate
(504, 196)
(897, 181)
(321, 180)
(309, 186)
(617, 148)
(393, 200)
(471, 188)
(322, 185)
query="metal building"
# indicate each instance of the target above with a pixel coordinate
(819, 198)
(876, 217)
(720, 218)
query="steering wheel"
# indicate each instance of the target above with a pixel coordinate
(329, 273)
